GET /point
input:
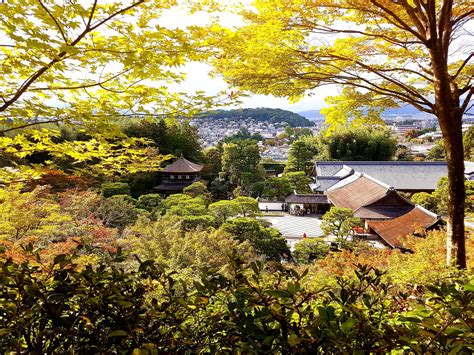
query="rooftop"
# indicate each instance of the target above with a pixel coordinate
(183, 166)
(402, 175)
(392, 230)
(359, 192)
(306, 198)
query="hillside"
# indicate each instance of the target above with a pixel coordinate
(270, 115)
(315, 115)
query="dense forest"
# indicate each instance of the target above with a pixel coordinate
(270, 115)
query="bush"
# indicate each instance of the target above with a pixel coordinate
(149, 202)
(109, 189)
(310, 249)
(117, 211)
(245, 309)
(267, 242)
(190, 223)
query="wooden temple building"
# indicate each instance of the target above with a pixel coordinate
(178, 175)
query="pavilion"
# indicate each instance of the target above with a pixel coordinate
(178, 175)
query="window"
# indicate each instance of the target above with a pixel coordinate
(188, 177)
(180, 177)
(172, 177)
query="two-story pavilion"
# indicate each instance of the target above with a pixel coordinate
(178, 175)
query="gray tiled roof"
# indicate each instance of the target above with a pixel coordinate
(307, 198)
(324, 182)
(401, 175)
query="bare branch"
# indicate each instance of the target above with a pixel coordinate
(91, 15)
(467, 99)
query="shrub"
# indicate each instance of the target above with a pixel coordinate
(117, 211)
(266, 241)
(310, 249)
(189, 223)
(149, 202)
(115, 188)
(244, 309)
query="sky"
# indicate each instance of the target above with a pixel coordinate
(198, 78)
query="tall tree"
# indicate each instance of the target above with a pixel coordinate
(388, 52)
(360, 143)
(241, 164)
(300, 155)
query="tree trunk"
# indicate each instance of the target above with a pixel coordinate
(448, 112)
(456, 248)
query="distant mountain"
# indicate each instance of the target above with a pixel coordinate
(315, 115)
(312, 115)
(270, 115)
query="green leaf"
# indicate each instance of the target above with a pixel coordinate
(59, 259)
(118, 333)
(346, 327)
(469, 287)
(294, 340)
(33, 291)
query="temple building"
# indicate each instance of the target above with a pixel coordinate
(178, 175)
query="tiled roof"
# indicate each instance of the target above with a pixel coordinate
(382, 212)
(183, 166)
(306, 198)
(393, 229)
(324, 182)
(358, 193)
(402, 175)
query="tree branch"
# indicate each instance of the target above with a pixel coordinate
(28, 82)
(466, 61)
(63, 35)
(31, 124)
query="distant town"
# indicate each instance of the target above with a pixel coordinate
(425, 129)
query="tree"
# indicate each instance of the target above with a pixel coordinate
(247, 205)
(149, 202)
(197, 189)
(117, 211)
(266, 241)
(299, 181)
(424, 200)
(340, 223)
(185, 205)
(310, 249)
(240, 164)
(438, 152)
(468, 141)
(224, 209)
(360, 143)
(109, 189)
(300, 156)
(438, 200)
(390, 53)
(277, 187)
(87, 65)
(243, 134)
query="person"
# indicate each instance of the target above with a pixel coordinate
(305, 236)
(282, 206)
(266, 208)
